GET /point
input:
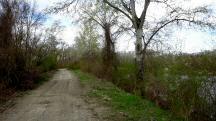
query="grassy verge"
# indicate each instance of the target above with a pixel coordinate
(132, 107)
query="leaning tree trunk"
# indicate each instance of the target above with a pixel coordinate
(139, 55)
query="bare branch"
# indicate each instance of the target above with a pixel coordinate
(125, 6)
(143, 16)
(118, 9)
(201, 23)
(133, 9)
(60, 6)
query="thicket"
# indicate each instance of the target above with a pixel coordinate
(182, 83)
(26, 49)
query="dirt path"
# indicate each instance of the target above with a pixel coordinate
(60, 99)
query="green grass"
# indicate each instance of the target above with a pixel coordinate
(134, 107)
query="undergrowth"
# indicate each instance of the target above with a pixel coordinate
(134, 108)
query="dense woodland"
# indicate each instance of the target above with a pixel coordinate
(27, 48)
(184, 84)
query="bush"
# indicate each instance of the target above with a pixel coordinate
(125, 76)
(48, 63)
(173, 82)
(93, 66)
(29, 79)
(74, 65)
(157, 92)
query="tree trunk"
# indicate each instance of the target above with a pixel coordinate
(109, 49)
(109, 52)
(139, 55)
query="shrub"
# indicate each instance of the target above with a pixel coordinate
(124, 76)
(30, 78)
(173, 82)
(157, 92)
(48, 63)
(74, 65)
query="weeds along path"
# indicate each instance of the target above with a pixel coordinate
(60, 99)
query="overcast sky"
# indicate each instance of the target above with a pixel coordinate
(189, 40)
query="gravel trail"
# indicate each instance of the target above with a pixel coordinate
(60, 99)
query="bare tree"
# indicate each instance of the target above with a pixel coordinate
(27, 23)
(19, 40)
(175, 14)
(104, 17)
(7, 22)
